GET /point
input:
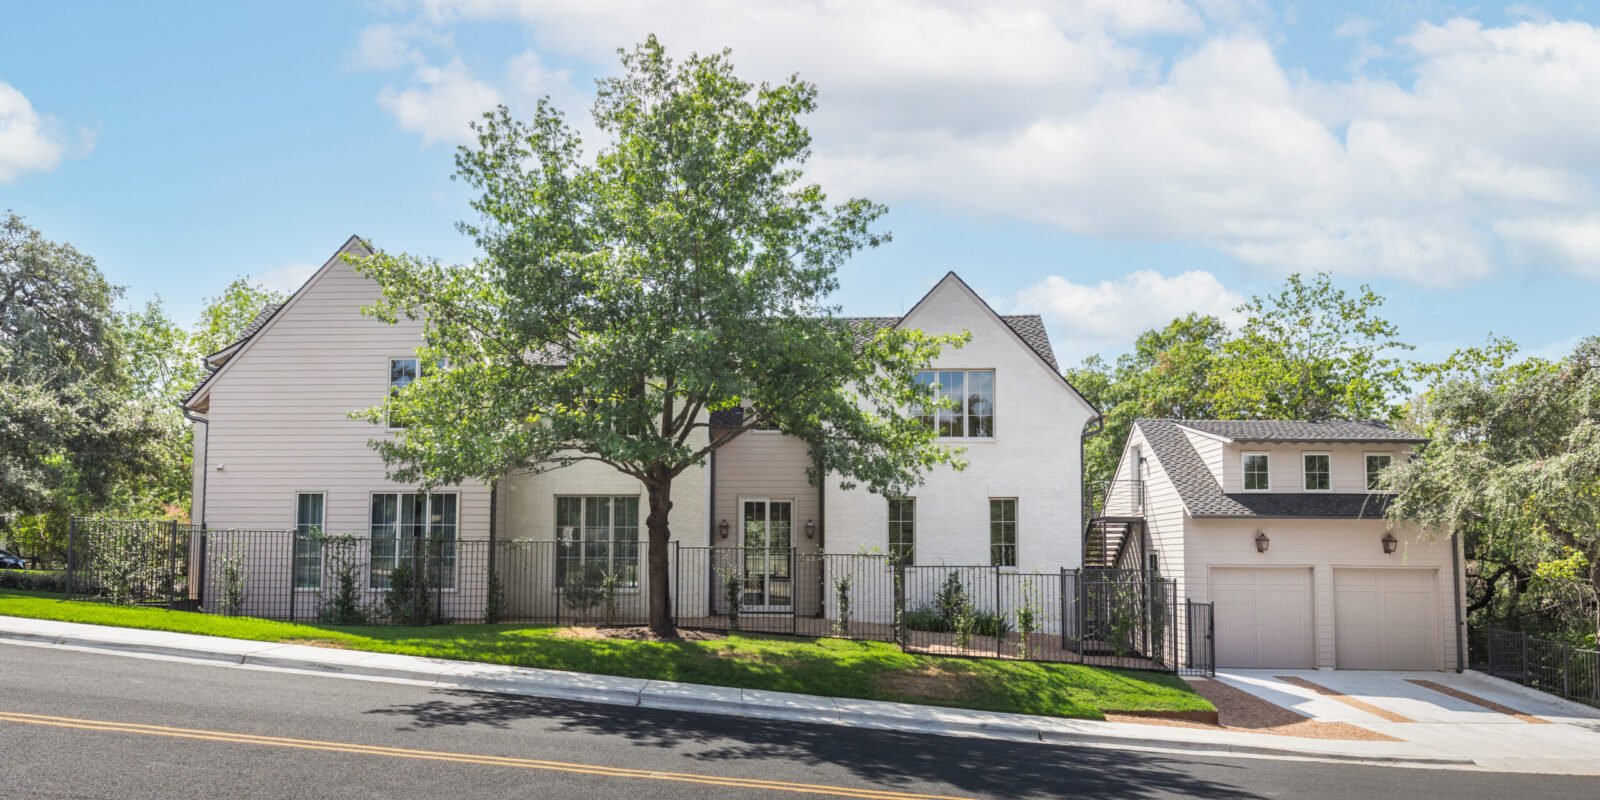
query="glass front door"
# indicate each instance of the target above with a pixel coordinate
(768, 581)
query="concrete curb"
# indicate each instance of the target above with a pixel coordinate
(668, 695)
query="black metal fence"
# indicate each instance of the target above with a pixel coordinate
(1114, 618)
(1553, 667)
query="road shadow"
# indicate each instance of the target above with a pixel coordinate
(887, 758)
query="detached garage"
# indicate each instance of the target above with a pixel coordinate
(1280, 526)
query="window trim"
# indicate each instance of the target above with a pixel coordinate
(1244, 470)
(455, 565)
(294, 571)
(611, 527)
(1304, 472)
(911, 552)
(1366, 469)
(994, 395)
(388, 384)
(1016, 533)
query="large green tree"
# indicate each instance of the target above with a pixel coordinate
(72, 432)
(1514, 466)
(620, 301)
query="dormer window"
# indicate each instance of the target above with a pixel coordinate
(972, 392)
(1319, 472)
(1256, 474)
(1376, 464)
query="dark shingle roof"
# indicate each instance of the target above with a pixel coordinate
(1274, 430)
(1203, 496)
(266, 313)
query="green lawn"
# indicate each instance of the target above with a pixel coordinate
(835, 667)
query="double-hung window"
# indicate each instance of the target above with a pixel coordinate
(1003, 531)
(402, 373)
(1376, 464)
(1319, 472)
(310, 510)
(598, 535)
(903, 529)
(417, 531)
(972, 396)
(1257, 476)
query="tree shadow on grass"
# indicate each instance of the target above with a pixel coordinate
(888, 758)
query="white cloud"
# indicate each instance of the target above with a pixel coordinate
(1062, 113)
(1572, 243)
(386, 46)
(1110, 314)
(440, 109)
(286, 278)
(29, 141)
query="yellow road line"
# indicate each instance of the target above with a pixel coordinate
(458, 758)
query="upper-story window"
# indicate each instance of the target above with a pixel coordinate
(402, 373)
(1376, 464)
(972, 391)
(1256, 474)
(903, 528)
(1319, 472)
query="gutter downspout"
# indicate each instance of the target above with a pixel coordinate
(205, 467)
(1455, 579)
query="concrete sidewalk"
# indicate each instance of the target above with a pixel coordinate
(722, 700)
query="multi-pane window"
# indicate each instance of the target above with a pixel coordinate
(402, 373)
(417, 530)
(972, 396)
(1256, 478)
(1319, 473)
(1003, 532)
(903, 528)
(598, 535)
(309, 513)
(1376, 464)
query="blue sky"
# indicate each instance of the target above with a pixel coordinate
(1108, 163)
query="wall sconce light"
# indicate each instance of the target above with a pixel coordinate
(811, 529)
(722, 529)
(1390, 544)
(1262, 542)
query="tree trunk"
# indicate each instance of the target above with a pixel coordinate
(660, 498)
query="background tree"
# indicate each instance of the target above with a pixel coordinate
(72, 435)
(1307, 351)
(684, 270)
(1513, 465)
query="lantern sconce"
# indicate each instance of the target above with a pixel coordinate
(722, 529)
(811, 529)
(1262, 542)
(1390, 544)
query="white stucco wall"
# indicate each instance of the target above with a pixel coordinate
(1035, 456)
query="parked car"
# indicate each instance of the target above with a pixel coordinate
(11, 561)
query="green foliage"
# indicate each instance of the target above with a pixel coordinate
(684, 269)
(841, 605)
(590, 585)
(952, 597)
(1308, 351)
(342, 559)
(1514, 467)
(235, 580)
(494, 604)
(733, 593)
(53, 581)
(410, 596)
(1028, 613)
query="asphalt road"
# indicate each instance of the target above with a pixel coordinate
(78, 725)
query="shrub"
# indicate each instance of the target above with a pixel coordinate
(235, 581)
(585, 586)
(1027, 617)
(841, 617)
(494, 604)
(926, 618)
(965, 623)
(409, 598)
(34, 580)
(733, 592)
(344, 607)
(952, 597)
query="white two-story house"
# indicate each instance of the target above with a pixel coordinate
(1281, 526)
(276, 449)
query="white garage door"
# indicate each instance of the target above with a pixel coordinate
(1386, 618)
(1263, 617)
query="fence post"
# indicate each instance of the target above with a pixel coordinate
(200, 565)
(172, 564)
(294, 569)
(899, 600)
(72, 541)
(438, 580)
(998, 614)
(677, 579)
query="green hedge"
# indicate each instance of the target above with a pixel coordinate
(34, 580)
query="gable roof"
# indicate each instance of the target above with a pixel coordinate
(263, 320)
(1203, 497)
(1028, 327)
(1330, 431)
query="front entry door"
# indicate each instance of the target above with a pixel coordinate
(768, 581)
